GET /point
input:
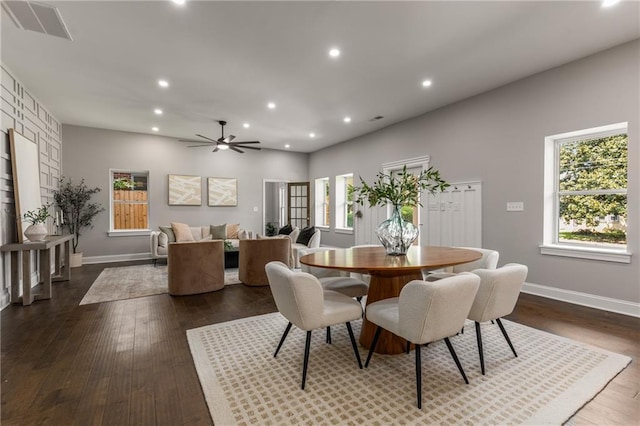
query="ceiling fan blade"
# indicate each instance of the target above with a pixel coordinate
(209, 145)
(229, 138)
(248, 147)
(216, 149)
(209, 139)
(235, 149)
(241, 142)
(191, 141)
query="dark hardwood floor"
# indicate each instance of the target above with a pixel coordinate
(128, 362)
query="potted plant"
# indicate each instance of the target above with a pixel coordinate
(74, 202)
(36, 231)
(400, 190)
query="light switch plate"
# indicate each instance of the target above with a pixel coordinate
(515, 206)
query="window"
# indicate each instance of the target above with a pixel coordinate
(323, 215)
(129, 201)
(586, 194)
(344, 202)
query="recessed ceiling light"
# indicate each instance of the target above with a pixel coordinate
(180, 2)
(347, 119)
(246, 125)
(271, 105)
(163, 83)
(334, 53)
(157, 111)
(155, 129)
(312, 135)
(287, 146)
(426, 83)
(609, 3)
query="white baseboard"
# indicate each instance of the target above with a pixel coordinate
(584, 299)
(116, 258)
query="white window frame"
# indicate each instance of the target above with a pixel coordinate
(342, 204)
(550, 243)
(128, 232)
(321, 205)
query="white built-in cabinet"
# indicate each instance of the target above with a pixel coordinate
(454, 217)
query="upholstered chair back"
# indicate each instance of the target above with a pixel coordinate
(255, 254)
(430, 311)
(498, 292)
(298, 295)
(195, 267)
(489, 260)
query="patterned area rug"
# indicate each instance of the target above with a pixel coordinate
(129, 282)
(243, 384)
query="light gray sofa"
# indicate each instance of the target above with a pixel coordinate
(159, 241)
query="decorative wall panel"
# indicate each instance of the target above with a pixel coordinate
(21, 111)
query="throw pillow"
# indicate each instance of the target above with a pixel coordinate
(163, 239)
(232, 230)
(169, 231)
(305, 235)
(285, 230)
(293, 236)
(219, 232)
(182, 232)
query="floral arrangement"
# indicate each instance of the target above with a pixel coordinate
(401, 189)
(39, 215)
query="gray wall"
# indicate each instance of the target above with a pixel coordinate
(89, 153)
(498, 138)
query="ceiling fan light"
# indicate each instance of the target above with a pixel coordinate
(223, 146)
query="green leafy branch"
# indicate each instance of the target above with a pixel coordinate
(401, 189)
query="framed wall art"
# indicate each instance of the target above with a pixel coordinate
(222, 191)
(185, 190)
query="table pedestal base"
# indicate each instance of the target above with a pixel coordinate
(383, 287)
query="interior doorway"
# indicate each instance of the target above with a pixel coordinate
(274, 205)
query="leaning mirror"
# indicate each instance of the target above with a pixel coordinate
(25, 166)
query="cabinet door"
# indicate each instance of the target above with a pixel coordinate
(455, 216)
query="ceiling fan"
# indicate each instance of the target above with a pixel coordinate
(222, 142)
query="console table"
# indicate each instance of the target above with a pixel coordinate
(21, 256)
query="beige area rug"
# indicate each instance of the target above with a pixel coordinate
(243, 384)
(129, 282)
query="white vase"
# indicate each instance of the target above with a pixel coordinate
(75, 260)
(36, 232)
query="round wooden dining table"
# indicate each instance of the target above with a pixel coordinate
(388, 275)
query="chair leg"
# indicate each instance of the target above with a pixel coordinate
(353, 343)
(408, 346)
(455, 358)
(506, 336)
(155, 262)
(479, 338)
(328, 335)
(418, 377)
(373, 345)
(284, 336)
(305, 364)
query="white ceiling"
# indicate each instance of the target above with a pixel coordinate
(226, 60)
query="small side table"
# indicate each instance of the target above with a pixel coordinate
(21, 255)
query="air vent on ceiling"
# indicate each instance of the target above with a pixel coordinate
(376, 118)
(39, 17)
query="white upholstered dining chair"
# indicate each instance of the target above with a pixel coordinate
(489, 260)
(496, 297)
(301, 299)
(426, 312)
